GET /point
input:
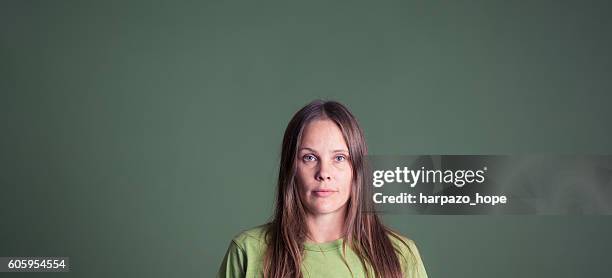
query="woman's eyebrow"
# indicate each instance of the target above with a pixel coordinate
(334, 151)
(307, 149)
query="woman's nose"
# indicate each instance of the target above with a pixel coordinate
(323, 173)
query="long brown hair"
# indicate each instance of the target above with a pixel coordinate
(364, 232)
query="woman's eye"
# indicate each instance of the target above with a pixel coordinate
(309, 157)
(340, 158)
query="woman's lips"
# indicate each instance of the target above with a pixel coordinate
(323, 192)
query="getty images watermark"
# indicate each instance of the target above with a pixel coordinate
(479, 184)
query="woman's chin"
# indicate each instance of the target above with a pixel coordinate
(326, 209)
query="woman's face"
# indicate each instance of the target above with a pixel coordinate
(324, 171)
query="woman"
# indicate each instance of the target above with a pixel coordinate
(321, 225)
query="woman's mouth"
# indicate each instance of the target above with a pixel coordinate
(323, 192)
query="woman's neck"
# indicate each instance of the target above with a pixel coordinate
(325, 227)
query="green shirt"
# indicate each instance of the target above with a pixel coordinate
(244, 258)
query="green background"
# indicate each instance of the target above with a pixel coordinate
(138, 138)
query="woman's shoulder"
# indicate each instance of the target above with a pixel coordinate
(254, 237)
(245, 253)
(409, 254)
(400, 241)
